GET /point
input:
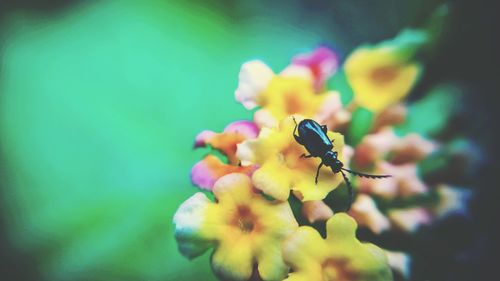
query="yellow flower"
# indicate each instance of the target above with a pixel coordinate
(279, 96)
(242, 226)
(281, 167)
(339, 257)
(381, 75)
(286, 96)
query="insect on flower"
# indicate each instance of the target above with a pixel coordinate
(313, 137)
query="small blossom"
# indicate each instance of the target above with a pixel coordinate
(281, 167)
(381, 75)
(409, 220)
(374, 147)
(412, 148)
(207, 171)
(242, 226)
(365, 212)
(404, 181)
(392, 115)
(322, 63)
(338, 257)
(316, 211)
(332, 113)
(408, 149)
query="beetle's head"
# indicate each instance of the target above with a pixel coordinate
(330, 159)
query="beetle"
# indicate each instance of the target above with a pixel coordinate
(314, 138)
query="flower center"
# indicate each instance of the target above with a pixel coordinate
(244, 219)
(384, 74)
(336, 270)
(293, 103)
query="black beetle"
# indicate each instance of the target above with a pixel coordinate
(314, 138)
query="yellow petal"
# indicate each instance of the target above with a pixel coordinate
(304, 249)
(273, 179)
(276, 222)
(290, 95)
(305, 276)
(308, 190)
(341, 226)
(256, 151)
(276, 217)
(339, 257)
(270, 263)
(233, 188)
(233, 257)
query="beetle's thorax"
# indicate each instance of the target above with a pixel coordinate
(330, 159)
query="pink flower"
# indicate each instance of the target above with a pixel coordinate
(322, 63)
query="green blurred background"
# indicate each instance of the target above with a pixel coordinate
(100, 102)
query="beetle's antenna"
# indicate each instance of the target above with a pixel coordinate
(349, 190)
(366, 175)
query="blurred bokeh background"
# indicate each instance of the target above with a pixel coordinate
(100, 102)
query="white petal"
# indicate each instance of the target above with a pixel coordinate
(188, 221)
(263, 118)
(298, 71)
(253, 79)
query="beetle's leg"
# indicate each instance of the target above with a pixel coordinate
(317, 173)
(324, 128)
(297, 137)
(305, 156)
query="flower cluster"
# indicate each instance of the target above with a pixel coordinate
(251, 226)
